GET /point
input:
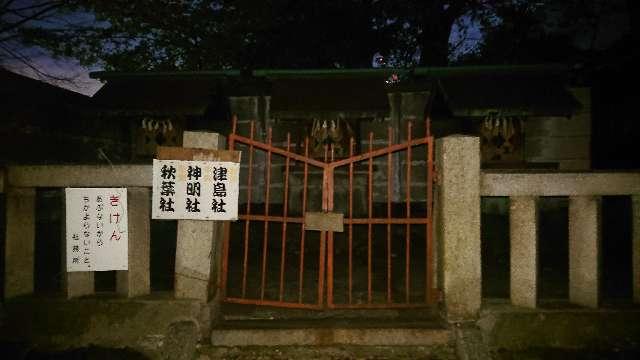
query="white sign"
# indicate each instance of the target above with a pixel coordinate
(195, 190)
(97, 235)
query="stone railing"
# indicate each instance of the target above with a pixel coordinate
(584, 190)
(20, 184)
(195, 240)
(461, 184)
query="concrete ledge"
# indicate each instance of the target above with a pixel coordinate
(515, 328)
(558, 184)
(79, 175)
(141, 324)
(331, 336)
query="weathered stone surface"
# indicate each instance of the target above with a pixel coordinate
(330, 336)
(585, 218)
(636, 248)
(203, 140)
(469, 344)
(436, 352)
(523, 228)
(181, 341)
(512, 327)
(193, 259)
(558, 184)
(78, 283)
(19, 241)
(137, 281)
(140, 324)
(197, 240)
(80, 176)
(458, 227)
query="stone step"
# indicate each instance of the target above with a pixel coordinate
(439, 352)
(330, 336)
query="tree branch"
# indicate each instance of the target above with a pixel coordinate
(34, 16)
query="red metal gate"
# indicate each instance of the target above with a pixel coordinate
(345, 264)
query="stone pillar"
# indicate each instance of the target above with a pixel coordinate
(458, 227)
(136, 281)
(195, 243)
(635, 200)
(584, 250)
(523, 233)
(20, 241)
(76, 283)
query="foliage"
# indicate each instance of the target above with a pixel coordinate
(170, 34)
(16, 15)
(572, 31)
(246, 34)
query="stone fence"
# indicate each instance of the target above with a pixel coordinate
(585, 191)
(461, 184)
(195, 240)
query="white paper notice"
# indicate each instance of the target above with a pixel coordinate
(97, 233)
(195, 190)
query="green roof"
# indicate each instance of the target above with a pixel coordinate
(331, 73)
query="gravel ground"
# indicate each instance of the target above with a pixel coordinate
(562, 354)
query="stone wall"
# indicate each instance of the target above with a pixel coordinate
(565, 140)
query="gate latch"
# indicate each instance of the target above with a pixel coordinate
(324, 221)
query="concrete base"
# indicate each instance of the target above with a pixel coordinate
(142, 324)
(331, 336)
(510, 327)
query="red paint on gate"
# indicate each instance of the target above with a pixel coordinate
(326, 240)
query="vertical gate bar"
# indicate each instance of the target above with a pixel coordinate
(370, 196)
(321, 260)
(329, 196)
(266, 213)
(429, 237)
(408, 227)
(284, 221)
(302, 229)
(245, 260)
(222, 277)
(323, 234)
(390, 134)
(350, 283)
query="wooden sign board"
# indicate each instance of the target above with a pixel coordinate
(180, 153)
(195, 184)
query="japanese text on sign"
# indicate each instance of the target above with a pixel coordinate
(96, 229)
(196, 190)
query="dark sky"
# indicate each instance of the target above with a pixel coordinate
(70, 68)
